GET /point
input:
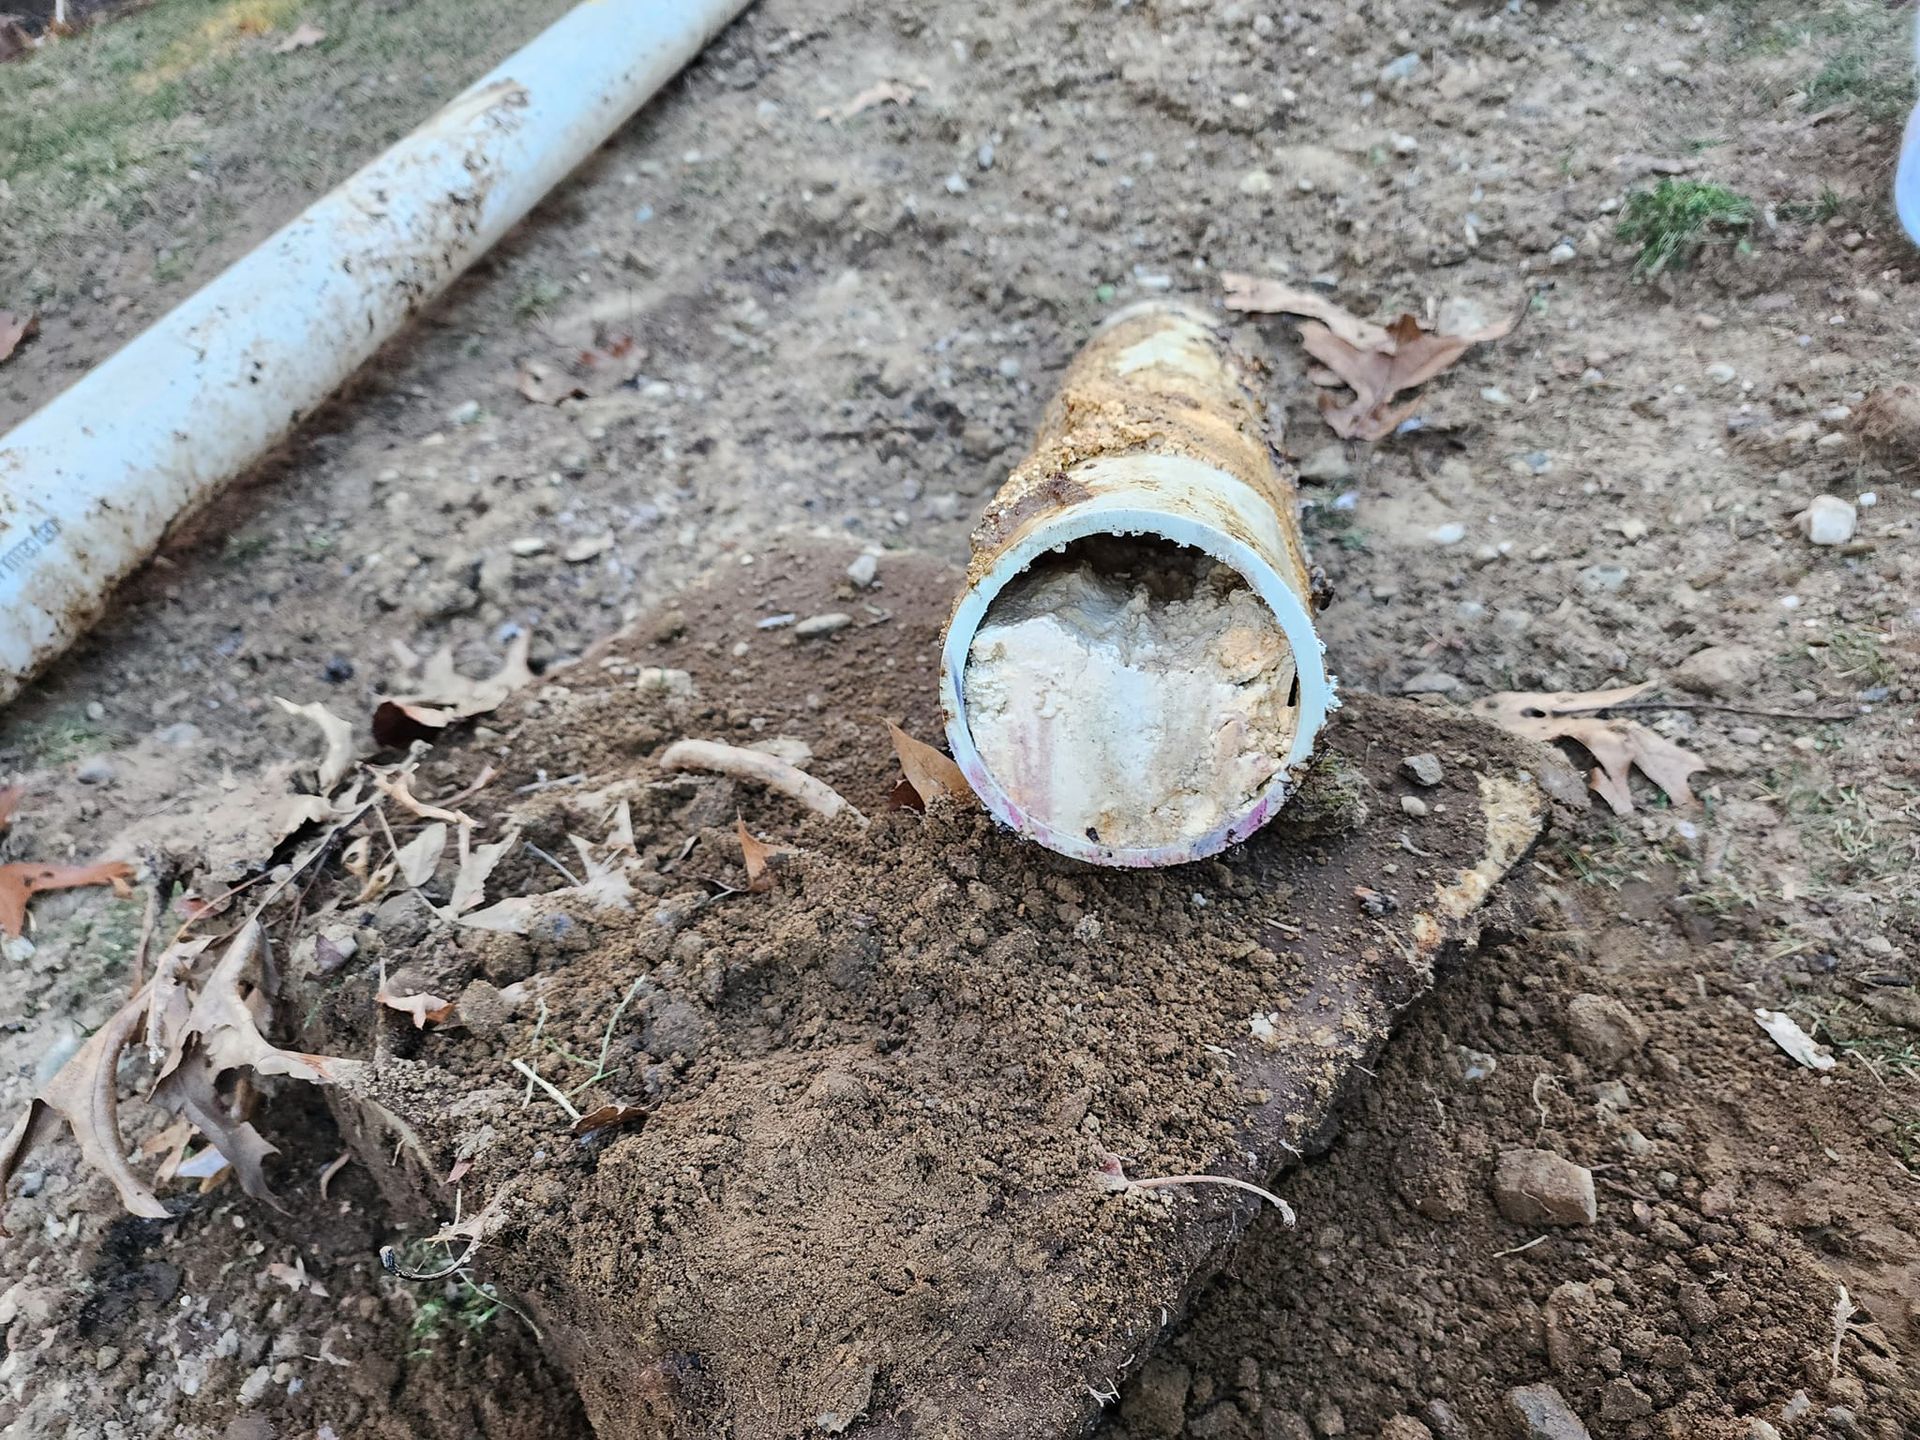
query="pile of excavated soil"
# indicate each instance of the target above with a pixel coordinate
(873, 1104)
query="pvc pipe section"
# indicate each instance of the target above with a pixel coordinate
(90, 484)
(1157, 432)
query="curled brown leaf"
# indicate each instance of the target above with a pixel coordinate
(1617, 746)
(932, 774)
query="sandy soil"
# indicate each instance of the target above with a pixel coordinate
(854, 325)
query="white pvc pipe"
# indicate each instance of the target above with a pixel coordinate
(1158, 430)
(90, 484)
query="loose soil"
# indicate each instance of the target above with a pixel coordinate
(873, 1104)
(839, 335)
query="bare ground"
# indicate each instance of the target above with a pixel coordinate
(854, 325)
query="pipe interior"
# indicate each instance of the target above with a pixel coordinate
(1131, 690)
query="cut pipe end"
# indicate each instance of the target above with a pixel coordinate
(1085, 718)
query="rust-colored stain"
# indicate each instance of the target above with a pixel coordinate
(1199, 401)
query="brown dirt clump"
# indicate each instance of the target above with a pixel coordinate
(879, 1098)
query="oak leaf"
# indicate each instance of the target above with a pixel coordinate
(1617, 746)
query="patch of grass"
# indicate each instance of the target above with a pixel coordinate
(61, 741)
(1856, 657)
(1853, 839)
(463, 1306)
(1849, 1028)
(1830, 204)
(1323, 522)
(1672, 221)
(1873, 70)
(537, 297)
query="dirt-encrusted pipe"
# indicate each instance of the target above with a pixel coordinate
(90, 484)
(1131, 675)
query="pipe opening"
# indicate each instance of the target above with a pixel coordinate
(1131, 690)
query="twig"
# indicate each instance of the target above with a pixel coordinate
(1502, 1254)
(1726, 708)
(571, 878)
(553, 1093)
(606, 1039)
(390, 1262)
(1168, 1182)
(769, 770)
(539, 1026)
(545, 784)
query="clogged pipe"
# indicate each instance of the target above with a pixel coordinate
(1131, 675)
(91, 483)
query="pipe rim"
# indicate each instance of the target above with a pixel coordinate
(1317, 695)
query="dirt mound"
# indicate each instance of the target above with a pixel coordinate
(869, 1176)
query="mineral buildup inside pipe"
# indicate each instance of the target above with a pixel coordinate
(1131, 675)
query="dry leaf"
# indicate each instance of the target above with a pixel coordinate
(755, 854)
(193, 1091)
(476, 864)
(338, 758)
(420, 856)
(1617, 746)
(304, 37)
(887, 92)
(546, 384)
(168, 1001)
(221, 1024)
(425, 1009)
(23, 879)
(85, 1093)
(443, 695)
(607, 1117)
(931, 773)
(1412, 357)
(1788, 1035)
(14, 329)
(1253, 295)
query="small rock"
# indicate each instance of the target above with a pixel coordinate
(1544, 1414)
(1719, 670)
(591, 548)
(1256, 182)
(1603, 1030)
(1405, 1427)
(956, 184)
(1399, 70)
(1829, 520)
(254, 1388)
(1413, 806)
(1431, 682)
(1156, 1402)
(1622, 1401)
(1562, 254)
(465, 413)
(983, 157)
(864, 570)
(1451, 533)
(98, 770)
(1758, 1429)
(1722, 373)
(527, 546)
(1604, 579)
(1328, 464)
(815, 626)
(979, 442)
(1424, 770)
(1538, 1187)
(1403, 144)
(180, 735)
